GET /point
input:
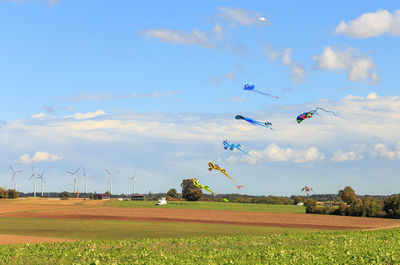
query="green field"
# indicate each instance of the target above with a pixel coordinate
(112, 229)
(368, 247)
(272, 208)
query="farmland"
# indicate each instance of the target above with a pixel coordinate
(361, 247)
(203, 233)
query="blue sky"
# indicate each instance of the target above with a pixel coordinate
(154, 87)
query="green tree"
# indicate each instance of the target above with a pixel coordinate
(12, 194)
(310, 205)
(189, 191)
(357, 208)
(391, 206)
(348, 195)
(3, 193)
(173, 193)
(297, 200)
(64, 195)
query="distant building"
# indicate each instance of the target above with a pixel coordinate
(137, 197)
(101, 197)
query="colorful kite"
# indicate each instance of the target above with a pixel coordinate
(310, 113)
(204, 187)
(229, 146)
(254, 122)
(225, 200)
(239, 186)
(307, 190)
(212, 166)
(252, 88)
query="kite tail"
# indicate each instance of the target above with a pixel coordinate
(265, 94)
(315, 111)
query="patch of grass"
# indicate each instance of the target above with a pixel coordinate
(115, 229)
(272, 208)
(368, 247)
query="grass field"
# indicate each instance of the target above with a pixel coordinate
(368, 247)
(110, 229)
(212, 206)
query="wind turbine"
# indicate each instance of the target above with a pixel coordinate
(14, 177)
(74, 174)
(133, 180)
(84, 175)
(41, 181)
(110, 176)
(34, 182)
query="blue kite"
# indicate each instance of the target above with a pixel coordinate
(254, 122)
(229, 146)
(253, 88)
(310, 113)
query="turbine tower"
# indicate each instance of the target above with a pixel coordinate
(34, 182)
(110, 176)
(133, 180)
(41, 181)
(14, 177)
(84, 175)
(74, 174)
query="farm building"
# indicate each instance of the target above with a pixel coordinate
(101, 197)
(137, 197)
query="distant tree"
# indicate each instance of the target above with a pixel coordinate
(391, 206)
(64, 195)
(297, 200)
(173, 193)
(189, 191)
(310, 205)
(107, 193)
(12, 194)
(348, 195)
(357, 208)
(3, 193)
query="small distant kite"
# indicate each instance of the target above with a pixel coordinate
(204, 187)
(212, 166)
(307, 190)
(310, 113)
(254, 122)
(230, 146)
(225, 200)
(252, 88)
(239, 186)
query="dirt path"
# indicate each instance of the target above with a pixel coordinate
(14, 239)
(214, 217)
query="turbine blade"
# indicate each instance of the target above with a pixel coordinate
(107, 171)
(77, 170)
(69, 172)
(12, 169)
(19, 171)
(84, 172)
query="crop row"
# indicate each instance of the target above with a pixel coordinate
(362, 247)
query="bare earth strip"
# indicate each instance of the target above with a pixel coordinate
(13, 239)
(214, 217)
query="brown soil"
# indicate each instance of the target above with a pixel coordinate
(214, 217)
(13, 239)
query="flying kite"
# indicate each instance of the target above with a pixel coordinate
(229, 146)
(307, 190)
(310, 113)
(225, 200)
(204, 187)
(252, 88)
(212, 166)
(254, 122)
(239, 186)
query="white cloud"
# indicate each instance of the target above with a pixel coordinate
(195, 37)
(372, 24)
(39, 116)
(340, 156)
(53, 2)
(380, 150)
(242, 16)
(298, 72)
(358, 67)
(88, 115)
(39, 156)
(275, 153)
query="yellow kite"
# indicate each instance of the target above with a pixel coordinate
(212, 166)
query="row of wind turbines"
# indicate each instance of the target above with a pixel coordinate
(36, 176)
